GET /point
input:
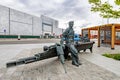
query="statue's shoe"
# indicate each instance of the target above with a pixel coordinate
(76, 64)
(79, 63)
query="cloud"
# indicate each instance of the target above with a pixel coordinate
(62, 10)
(59, 9)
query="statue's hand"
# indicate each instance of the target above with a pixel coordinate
(63, 46)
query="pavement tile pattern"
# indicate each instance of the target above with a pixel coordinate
(51, 69)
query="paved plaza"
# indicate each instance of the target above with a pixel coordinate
(94, 66)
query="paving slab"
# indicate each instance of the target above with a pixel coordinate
(105, 62)
(51, 69)
(9, 51)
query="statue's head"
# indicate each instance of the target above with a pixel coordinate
(71, 23)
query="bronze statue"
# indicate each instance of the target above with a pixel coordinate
(68, 37)
(58, 50)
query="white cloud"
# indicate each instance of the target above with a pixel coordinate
(62, 10)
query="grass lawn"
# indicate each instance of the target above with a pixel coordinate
(114, 56)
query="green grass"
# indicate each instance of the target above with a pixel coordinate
(114, 56)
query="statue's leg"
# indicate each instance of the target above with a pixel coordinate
(60, 54)
(91, 49)
(84, 50)
(66, 52)
(74, 54)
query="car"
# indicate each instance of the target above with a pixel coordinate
(76, 37)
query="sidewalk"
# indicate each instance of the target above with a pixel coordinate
(106, 63)
(8, 52)
(51, 69)
(94, 65)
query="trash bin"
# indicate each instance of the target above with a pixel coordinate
(18, 37)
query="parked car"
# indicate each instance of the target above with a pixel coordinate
(76, 37)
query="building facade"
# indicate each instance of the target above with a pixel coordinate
(13, 22)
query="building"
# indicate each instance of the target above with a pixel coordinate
(50, 26)
(107, 34)
(13, 22)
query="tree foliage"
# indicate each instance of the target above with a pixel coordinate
(93, 1)
(117, 2)
(105, 9)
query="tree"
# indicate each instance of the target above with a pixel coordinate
(105, 9)
(117, 2)
(94, 1)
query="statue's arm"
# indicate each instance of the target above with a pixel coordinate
(62, 40)
(64, 34)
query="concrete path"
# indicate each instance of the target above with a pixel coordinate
(8, 52)
(94, 66)
(106, 63)
(51, 69)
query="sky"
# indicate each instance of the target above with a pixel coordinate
(61, 10)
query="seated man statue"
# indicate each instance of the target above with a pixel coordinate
(68, 37)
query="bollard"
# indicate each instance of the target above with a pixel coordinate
(18, 37)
